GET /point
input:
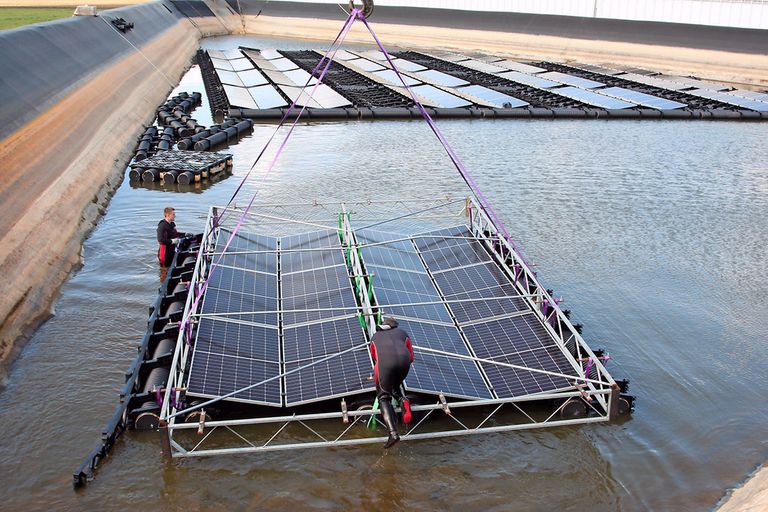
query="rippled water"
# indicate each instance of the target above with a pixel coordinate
(654, 232)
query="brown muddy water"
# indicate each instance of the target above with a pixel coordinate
(653, 232)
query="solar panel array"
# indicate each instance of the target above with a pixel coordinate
(238, 338)
(235, 350)
(402, 287)
(285, 305)
(497, 323)
(314, 277)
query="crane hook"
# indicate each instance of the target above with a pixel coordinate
(366, 9)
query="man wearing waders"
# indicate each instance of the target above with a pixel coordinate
(393, 354)
(166, 232)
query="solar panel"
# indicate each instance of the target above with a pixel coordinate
(248, 251)
(283, 64)
(752, 95)
(241, 64)
(492, 98)
(252, 78)
(730, 99)
(488, 307)
(440, 78)
(391, 77)
(576, 81)
(232, 54)
(452, 57)
(271, 54)
(339, 375)
(341, 55)
(695, 83)
(227, 302)
(470, 279)
(533, 81)
(267, 96)
(523, 341)
(221, 64)
(485, 67)
(300, 77)
(406, 65)
(365, 65)
(654, 81)
(301, 260)
(328, 98)
(229, 77)
(299, 96)
(593, 98)
(278, 77)
(450, 248)
(229, 356)
(599, 69)
(438, 98)
(218, 54)
(315, 281)
(239, 97)
(643, 99)
(436, 373)
(519, 66)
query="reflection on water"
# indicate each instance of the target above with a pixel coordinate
(653, 233)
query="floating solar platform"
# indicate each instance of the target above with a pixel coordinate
(281, 329)
(262, 84)
(181, 167)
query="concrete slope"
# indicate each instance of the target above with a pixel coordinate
(74, 95)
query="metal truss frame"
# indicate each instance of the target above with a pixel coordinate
(446, 417)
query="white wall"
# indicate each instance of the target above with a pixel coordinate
(725, 13)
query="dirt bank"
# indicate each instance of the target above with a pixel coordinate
(737, 68)
(63, 167)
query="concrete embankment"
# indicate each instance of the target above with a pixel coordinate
(74, 95)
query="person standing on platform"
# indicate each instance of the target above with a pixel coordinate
(392, 354)
(166, 232)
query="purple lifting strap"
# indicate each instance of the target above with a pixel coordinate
(347, 25)
(201, 291)
(451, 153)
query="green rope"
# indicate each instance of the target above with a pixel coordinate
(372, 420)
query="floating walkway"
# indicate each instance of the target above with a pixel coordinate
(280, 336)
(261, 84)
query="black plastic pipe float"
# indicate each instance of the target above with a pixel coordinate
(149, 371)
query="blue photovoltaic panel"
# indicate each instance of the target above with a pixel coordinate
(338, 375)
(365, 65)
(495, 98)
(481, 304)
(310, 250)
(533, 81)
(440, 78)
(593, 98)
(398, 280)
(406, 65)
(437, 373)
(439, 98)
(295, 307)
(522, 341)
(429, 308)
(230, 356)
(315, 281)
(251, 251)
(730, 99)
(391, 78)
(470, 279)
(232, 305)
(643, 99)
(440, 252)
(266, 96)
(214, 375)
(576, 81)
(519, 66)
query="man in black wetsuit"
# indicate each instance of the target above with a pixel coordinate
(393, 354)
(166, 232)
